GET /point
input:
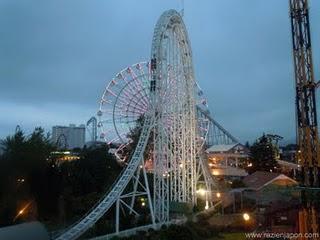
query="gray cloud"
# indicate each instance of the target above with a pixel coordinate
(57, 56)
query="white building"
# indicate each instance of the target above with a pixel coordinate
(69, 137)
(228, 160)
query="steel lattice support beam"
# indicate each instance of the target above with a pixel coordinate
(216, 133)
(307, 130)
(306, 113)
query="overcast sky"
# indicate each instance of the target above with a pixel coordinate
(57, 56)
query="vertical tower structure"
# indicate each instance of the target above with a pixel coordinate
(308, 155)
(307, 130)
(175, 141)
(163, 92)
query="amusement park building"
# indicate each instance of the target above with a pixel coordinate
(72, 136)
(228, 160)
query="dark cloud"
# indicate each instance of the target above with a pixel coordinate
(57, 56)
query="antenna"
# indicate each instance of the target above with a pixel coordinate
(182, 8)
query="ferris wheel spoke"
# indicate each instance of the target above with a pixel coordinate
(126, 102)
(132, 88)
(135, 78)
(145, 80)
(137, 94)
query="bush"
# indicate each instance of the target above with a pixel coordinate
(237, 184)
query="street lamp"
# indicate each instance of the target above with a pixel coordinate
(201, 191)
(246, 217)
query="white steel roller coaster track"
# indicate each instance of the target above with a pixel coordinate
(181, 165)
(106, 202)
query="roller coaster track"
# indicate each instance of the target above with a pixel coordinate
(219, 134)
(77, 229)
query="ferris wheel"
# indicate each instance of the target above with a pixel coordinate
(126, 99)
(160, 99)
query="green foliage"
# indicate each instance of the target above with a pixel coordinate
(190, 230)
(61, 191)
(85, 181)
(263, 155)
(237, 183)
(25, 158)
(134, 135)
(180, 207)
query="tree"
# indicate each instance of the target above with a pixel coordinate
(26, 175)
(29, 172)
(263, 155)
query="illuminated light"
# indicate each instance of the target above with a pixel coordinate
(201, 191)
(22, 180)
(246, 217)
(143, 204)
(215, 173)
(141, 166)
(22, 211)
(214, 159)
(207, 205)
(181, 165)
(250, 165)
(211, 164)
(218, 195)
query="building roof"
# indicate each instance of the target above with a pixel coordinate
(260, 179)
(221, 148)
(229, 171)
(288, 164)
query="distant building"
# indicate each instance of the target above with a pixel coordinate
(288, 168)
(268, 187)
(63, 156)
(69, 137)
(288, 153)
(276, 199)
(260, 180)
(228, 160)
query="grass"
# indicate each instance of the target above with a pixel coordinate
(230, 236)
